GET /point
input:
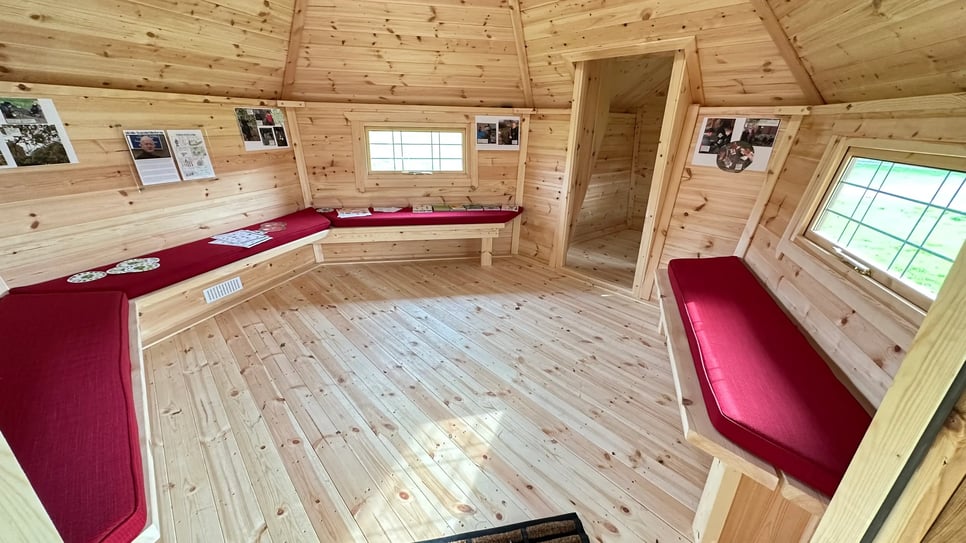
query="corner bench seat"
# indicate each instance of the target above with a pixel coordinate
(67, 410)
(764, 386)
(192, 259)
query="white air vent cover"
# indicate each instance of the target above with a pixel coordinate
(221, 290)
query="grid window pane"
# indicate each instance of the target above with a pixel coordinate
(906, 220)
(416, 150)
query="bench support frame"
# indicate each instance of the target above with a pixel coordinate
(361, 234)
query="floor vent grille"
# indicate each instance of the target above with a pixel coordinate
(221, 290)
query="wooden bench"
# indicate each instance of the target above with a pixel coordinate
(739, 483)
(406, 225)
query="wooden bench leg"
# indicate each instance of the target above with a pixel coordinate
(719, 493)
(486, 251)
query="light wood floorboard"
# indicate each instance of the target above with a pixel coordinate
(610, 258)
(401, 402)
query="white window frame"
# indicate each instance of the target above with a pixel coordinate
(373, 180)
(806, 247)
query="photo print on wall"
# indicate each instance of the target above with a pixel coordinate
(152, 156)
(32, 134)
(497, 133)
(262, 128)
(735, 144)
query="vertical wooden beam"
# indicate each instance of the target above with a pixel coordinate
(933, 484)
(516, 19)
(294, 46)
(677, 129)
(695, 81)
(295, 138)
(558, 256)
(719, 493)
(912, 406)
(788, 53)
(22, 516)
(593, 113)
(521, 179)
(783, 145)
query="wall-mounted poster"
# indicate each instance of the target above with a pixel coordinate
(262, 128)
(735, 144)
(152, 156)
(191, 154)
(32, 134)
(497, 133)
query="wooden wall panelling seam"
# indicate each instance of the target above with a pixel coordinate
(635, 164)
(521, 177)
(776, 164)
(142, 412)
(519, 38)
(295, 140)
(21, 514)
(788, 53)
(542, 190)
(677, 128)
(931, 367)
(294, 47)
(933, 484)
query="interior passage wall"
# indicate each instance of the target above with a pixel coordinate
(649, 121)
(60, 219)
(544, 182)
(330, 151)
(865, 338)
(605, 206)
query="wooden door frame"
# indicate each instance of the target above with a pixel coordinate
(685, 84)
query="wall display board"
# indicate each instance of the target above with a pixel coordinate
(152, 156)
(32, 134)
(262, 128)
(191, 154)
(495, 133)
(735, 144)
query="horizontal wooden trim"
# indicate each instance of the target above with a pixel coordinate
(37, 89)
(944, 102)
(748, 111)
(602, 51)
(694, 415)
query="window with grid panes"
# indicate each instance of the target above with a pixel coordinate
(899, 218)
(416, 151)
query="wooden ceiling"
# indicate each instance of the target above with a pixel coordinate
(870, 49)
(480, 52)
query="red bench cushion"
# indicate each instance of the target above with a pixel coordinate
(67, 411)
(188, 260)
(406, 217)
(764, 385)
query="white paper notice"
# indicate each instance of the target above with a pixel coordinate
(191, 154)
(152, 156)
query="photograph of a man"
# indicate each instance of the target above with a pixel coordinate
(149, 146)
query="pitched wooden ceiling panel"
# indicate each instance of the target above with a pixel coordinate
(871, 49)
(740, 64)
(223, 47)
(408, 51)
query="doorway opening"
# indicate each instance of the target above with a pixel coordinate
(607, 225)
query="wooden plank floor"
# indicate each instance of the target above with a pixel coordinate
(610, 258)
(400, 402)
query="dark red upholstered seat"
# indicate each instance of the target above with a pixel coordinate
(67, 411)
(188, 260)
(406, 217)
(764, 385)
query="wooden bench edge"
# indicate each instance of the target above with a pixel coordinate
(697, 426)
(419, 232)
(802, 495)
(142, 408)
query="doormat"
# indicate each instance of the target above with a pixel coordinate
(561, 529)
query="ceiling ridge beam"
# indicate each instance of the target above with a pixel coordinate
(524, 61)
(787, 51)
(294, 45)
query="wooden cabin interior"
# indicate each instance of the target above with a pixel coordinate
(401, 384)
